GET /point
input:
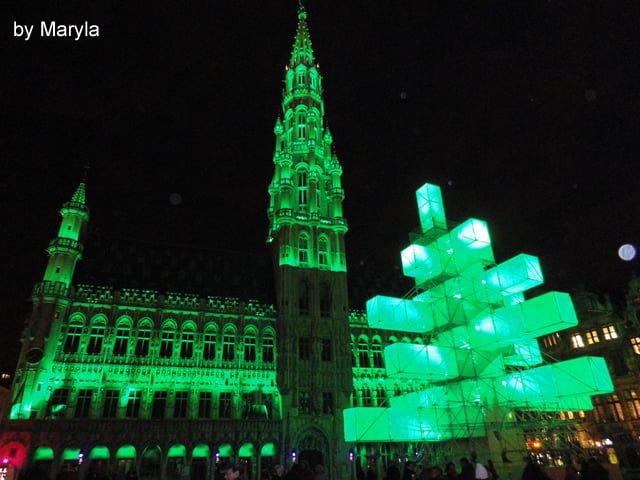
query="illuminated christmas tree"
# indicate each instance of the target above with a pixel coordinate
(483, 360)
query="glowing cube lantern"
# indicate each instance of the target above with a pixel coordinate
(399, 314)
(431, 208)
(427, 362)
(479, 323)
(533, 318)
(515, 275)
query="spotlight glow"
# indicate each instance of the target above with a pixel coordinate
(627, 252)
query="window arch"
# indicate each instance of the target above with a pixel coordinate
(290, 76)
(268, 346)
(323, 249)
(123, 333)
(167, 337)
(250, 341)
(186, 340)
(96, 335)
(303, 189)
(209, 342)
(303, 248)
(143, 337)
(74, 333)
(367, 399)
(300, 75)
(363, 352)
(228, 344)
(302, 125)
(352, 343)
(376, 350)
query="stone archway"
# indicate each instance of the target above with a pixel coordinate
(313, 447)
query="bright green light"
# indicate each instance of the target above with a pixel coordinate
(71, 454)
(225, 450)
(177, 451)
(99, 453)
(246, 450)
(431, 207)
(43, 453)
(268, 450)
(201, 451)
(126, 452)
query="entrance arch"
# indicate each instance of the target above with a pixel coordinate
(314, 448)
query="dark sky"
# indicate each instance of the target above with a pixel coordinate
(526, 113)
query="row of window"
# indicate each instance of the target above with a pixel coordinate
(305, 404)
(368, 397)
(592, 336)
(608, 408)
(169, 347)
(301, 75)
(112, 405)
(579, 340)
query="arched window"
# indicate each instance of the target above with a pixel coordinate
(303, 189)
(268, 348)
(143, 339)
(376, 350)
(353, 351)
(289, 80)
(228, 345)
(303, 298)
(96, 337)
(250, 346)
(167, 338)
(300, 74)
(313, 76)
(325, 299)
(367, 399)
(186, 343)
(209, 350)
(72, 341)
(303, 249)
(323, 249)
(302, 126)
(363, 352)
(123, 332)
(381, 396)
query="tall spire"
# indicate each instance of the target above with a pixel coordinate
(302, 49)
(79, 196)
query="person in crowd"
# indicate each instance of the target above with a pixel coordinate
(467, 471)
(596, 471)
(278, 472)
(393, 472)
(493, 474)
(232, 471)
(409, 471)
(435, 473)
(533, 471)
(321, 474)
(450, 471)
(571, 473)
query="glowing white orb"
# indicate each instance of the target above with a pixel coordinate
(627, 252)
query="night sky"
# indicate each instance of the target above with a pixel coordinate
(526, 113)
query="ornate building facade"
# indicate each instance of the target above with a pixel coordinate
(114, 379)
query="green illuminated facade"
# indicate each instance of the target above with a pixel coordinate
(168, 383)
